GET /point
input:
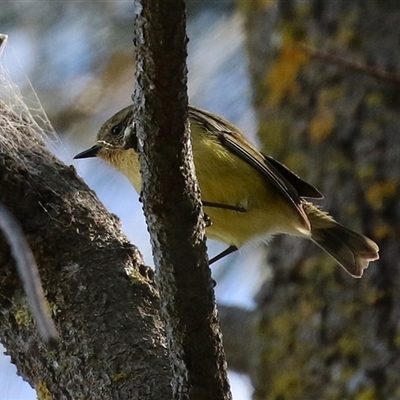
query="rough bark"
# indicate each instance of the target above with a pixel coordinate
(171, 202)
(102, 297)
(324, 334)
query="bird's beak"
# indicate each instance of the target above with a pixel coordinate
(92, 152)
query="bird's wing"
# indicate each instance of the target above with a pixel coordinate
(304, 189)
(277, 174)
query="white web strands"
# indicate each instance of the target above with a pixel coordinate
(27, 108)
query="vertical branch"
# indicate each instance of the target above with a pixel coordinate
(171, 202)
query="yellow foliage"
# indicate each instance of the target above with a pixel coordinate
(331, 95)
(289, 384)
(308, 308)
(321, 125)
(348, 34)
(320, 265)
(281, 80)
(350, 309)
(282, 324)
(384, 231)
(367, 172)
(348, 37)
(374, 98)
(349, 344)
(374, 295)
(379, 192)
(367, 394)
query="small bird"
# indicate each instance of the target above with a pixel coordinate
(246, 194)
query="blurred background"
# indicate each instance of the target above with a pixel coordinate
(295, 325)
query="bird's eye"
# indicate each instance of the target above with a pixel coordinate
(117, 129)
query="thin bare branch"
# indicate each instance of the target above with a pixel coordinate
(374, 72)
(29, 274)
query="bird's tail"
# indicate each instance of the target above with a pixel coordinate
(350, 249)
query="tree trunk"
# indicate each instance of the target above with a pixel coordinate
(102, 297)
(323, 334)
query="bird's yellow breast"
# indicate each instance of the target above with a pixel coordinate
(125, 161)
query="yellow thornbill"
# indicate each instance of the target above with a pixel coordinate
(246, 194)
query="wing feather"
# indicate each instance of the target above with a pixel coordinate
(228, 135)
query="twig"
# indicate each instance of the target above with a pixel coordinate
(29, 274)
(374, 72)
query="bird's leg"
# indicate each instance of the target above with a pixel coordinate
(224, 206)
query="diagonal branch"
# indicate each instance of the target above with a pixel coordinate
(105, 307)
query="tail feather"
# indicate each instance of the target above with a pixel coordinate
(350, 249)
